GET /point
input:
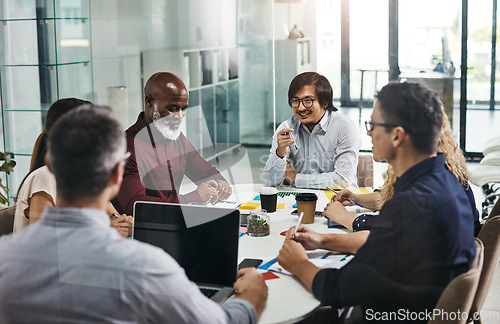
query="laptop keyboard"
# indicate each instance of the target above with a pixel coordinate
(209, 292)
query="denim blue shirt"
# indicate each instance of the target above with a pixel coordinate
(72, 267)
(327, 156)
(423, 237)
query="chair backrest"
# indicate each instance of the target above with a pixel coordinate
(490, 236)
(456, 299)
(495, 210)
(7, 220)
(365, 170)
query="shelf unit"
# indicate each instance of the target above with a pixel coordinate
(45, 55)
(211, 75)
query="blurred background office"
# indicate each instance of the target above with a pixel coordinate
(237, 58)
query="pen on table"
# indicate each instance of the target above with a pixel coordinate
(354, 202)
(345, 257)
(298, 223)
(327, 255)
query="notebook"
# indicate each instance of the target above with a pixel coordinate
(203, 240)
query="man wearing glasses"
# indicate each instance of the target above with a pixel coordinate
(317, 147)
(161, 155)
(423, 236)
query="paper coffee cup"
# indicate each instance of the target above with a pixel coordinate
(306, 203)
(268, 198)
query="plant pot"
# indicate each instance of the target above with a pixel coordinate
(258, 223)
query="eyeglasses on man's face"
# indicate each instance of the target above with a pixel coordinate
(370, 124)
(307, 102)
(170, 109)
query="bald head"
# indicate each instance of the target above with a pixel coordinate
(168, 93)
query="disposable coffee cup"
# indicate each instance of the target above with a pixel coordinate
(268, 198)
(306, 203)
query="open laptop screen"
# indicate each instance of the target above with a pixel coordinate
(203, 240)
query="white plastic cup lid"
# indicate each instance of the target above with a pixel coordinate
(268, 191)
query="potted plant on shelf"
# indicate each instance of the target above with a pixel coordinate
(7, 167)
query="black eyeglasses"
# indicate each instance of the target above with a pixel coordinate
(307, 102)
(369, 124)
(170, 109)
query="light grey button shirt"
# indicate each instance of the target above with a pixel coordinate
(327, 156)
(72, 267)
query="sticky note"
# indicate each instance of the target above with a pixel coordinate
(269, 275)
(249, 205)
(280, 206)
(330, 194)
(362, 190)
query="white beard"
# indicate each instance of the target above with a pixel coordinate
(165, 125)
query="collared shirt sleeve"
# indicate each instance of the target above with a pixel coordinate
(170, 295)
(239, 311)
(345, 162)
(274, 170)
(326, 287)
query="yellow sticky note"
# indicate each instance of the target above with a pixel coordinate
(330, 194)
(249, 205)
(280, 206)
(361, 190)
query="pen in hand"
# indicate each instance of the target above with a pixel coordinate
(291, 136)
(352, 201)
(298, 223)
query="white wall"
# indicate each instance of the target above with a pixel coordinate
(121, 29)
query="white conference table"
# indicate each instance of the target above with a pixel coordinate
(288, 299)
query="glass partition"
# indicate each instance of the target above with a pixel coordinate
(236, 57)
(45, 54)
(479, 81)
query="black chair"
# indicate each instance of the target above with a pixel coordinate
(7, 220)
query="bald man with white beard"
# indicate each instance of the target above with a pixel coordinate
(161, 154)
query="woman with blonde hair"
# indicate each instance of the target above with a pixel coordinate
(455, 162)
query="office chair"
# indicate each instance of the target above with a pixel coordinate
(487, 174)
(495, 211)
(490, 236)
(7, 220)
(459, 294)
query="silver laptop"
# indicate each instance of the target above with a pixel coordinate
(203, 240)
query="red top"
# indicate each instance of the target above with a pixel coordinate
(154, 163)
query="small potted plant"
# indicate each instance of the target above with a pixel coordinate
(258, 223)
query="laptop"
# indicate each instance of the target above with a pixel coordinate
(203, 240)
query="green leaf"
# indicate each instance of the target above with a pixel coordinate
(7, 167)
(3, 199)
